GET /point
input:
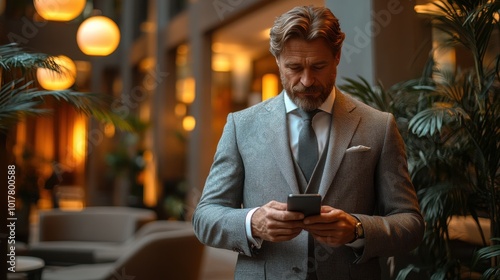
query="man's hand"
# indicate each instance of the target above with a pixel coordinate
(333, 227)
(272, 222)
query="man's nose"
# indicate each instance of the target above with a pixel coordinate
(307, 79)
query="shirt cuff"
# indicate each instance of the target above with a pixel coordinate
(256, 242)
(358, 244)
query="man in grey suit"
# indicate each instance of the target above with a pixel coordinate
(369, 206)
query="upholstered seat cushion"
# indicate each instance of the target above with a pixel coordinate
(75, 252)
(92, 235)
(84, 226)
(82, 271)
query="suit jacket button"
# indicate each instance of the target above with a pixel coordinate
(296, 269)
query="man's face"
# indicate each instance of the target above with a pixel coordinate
(308, 70)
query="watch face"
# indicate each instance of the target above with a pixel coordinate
(359, 230)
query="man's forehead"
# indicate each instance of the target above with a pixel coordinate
(300, 56)
(302, 48)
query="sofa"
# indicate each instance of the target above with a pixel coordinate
(94, 234)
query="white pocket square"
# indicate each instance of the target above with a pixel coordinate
(359, 148)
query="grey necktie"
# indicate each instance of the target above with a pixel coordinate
(308, 144)
(308, 157)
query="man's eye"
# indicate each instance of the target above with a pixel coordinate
(319, 67)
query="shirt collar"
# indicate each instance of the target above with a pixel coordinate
(327, 106)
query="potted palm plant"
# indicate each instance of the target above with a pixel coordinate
(451, 125)
(21, 97)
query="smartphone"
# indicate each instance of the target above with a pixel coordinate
(308, 204)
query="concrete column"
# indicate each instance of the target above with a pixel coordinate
(200, 151)
(357, 52)
(161, 106)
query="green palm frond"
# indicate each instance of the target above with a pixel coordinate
(18, 102)
(485, 254)
(375, 96)
(469, 24)
(388, 100)
(19, 96)
(17, 63)
(13, 56)
(449, 104)
(452, 135)
(430, 121)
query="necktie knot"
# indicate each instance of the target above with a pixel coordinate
(308, 115)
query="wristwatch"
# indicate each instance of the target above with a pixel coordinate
(359, 232)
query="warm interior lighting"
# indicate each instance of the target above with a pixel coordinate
(444, 57)
(21, 135)
(52, 80)
(58, 10)
(147, 64)
(150, 191)
(264, 34)
(241, 77)
(98, 36)
(188, 123)
(79, 139)
(109, 130)
(433, 8)
(181, 59)
(185, 90)
(269, 86)
(83, 71)
(429, 8)
(70, 197)
(2, 6)
(180, 109)
(221, 63)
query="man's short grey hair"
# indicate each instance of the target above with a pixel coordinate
(307, 23)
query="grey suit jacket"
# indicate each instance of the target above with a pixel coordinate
(365, 174)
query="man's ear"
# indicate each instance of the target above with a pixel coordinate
(337, 57)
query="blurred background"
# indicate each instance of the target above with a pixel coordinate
(175, 69)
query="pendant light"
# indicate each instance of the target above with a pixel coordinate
(98, 35)
(57, 10)
(53, 80)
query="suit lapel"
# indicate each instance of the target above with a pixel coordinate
(280, 141)
(344, 125)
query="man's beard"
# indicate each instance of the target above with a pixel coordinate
(308, 103)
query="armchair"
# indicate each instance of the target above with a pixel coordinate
(157, 253)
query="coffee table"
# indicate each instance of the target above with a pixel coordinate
(30, 267)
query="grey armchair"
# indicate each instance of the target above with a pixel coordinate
(94, 234)
(157, 253)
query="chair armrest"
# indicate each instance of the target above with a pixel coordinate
(63, 256)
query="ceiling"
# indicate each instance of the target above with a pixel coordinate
(250, 33)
